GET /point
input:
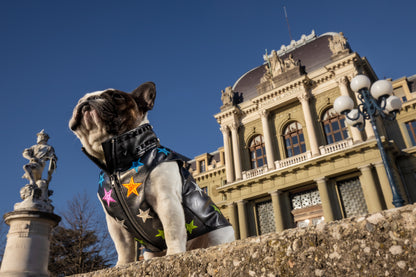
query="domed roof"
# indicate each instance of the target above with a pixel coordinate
(312, 52)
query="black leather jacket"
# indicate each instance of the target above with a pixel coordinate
(129, 160)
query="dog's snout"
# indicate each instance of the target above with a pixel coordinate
(82, 107)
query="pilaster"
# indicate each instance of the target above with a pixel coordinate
(304, 100)
(368, 184)
(277, 211)
(233, 220)
(236, 150)
(242, 219)
(325, 199)
(267, 139)
(229, 170)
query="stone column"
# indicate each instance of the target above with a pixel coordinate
(343, 87)
(27, 248)
(368, 184)
(229, 169)
(304, 100)
(385, 184)
(267, 139)
(236, 150)
(277, 211)
(325, 199)
(242, 219)
(233, 220)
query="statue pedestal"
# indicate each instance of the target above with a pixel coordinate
(27, 248)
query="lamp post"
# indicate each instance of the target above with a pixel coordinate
(377, 101)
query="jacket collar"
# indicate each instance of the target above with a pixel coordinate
(122, 150)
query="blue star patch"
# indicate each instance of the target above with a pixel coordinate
(101, 180)
(163, 150)
(136, 165)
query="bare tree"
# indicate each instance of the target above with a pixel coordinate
(81, 243)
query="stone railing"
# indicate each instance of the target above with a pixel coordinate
(337, 146)
(293, 160)
(254, 172)
(381, 244)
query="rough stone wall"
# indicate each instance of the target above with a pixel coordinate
(380, 244)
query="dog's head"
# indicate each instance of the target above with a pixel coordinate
(101, 115)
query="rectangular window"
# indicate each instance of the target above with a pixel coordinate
(411, 129)
(202, 166)
(265, 217)
(352, 197)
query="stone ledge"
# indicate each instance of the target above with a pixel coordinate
(381, 244)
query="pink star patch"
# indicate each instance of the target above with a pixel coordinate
(107, 197)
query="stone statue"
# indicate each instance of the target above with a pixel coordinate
(338, 44)
(36, 193)
(276, 65)
(290, 62)
(227, 96)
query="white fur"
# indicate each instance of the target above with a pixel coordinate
(163, 193)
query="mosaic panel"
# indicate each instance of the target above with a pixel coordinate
(306, 199)
(265, 217)
(352, 197)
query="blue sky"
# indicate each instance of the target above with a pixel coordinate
(53, 52)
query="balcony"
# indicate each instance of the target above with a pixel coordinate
(255, 172)
(293, 160)
(335, 147)
(281, 164)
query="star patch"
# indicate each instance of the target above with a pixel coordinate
(190, 226)
(163, 150)
(101, 180)
(144, 215)
(140, 241)
(216, 208)
(197, 188)
(107, 197)
(136, 165)
(132, 187)
(161, 234)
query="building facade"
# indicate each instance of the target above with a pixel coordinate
(288, 159)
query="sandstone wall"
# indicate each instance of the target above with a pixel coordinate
(381, 244)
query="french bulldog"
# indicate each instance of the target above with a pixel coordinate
(146, 192)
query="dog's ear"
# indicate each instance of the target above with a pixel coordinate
(145, 96)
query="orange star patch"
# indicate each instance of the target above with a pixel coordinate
(132, 187)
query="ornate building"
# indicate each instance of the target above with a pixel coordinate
(289, 160)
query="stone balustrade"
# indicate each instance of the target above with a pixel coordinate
(255, 172)
(337, 146)
(293, 160)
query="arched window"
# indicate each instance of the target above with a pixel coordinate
(257, 152)
(334, 126)
(294, 139)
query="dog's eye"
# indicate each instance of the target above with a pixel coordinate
(95, 97)
(117, 96)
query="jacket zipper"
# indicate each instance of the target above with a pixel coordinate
(115, 185)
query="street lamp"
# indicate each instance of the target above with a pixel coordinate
(377, 101)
